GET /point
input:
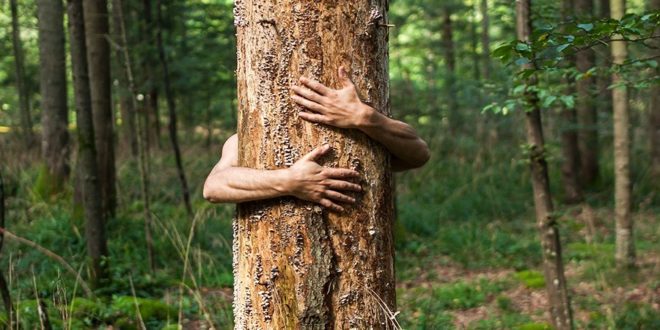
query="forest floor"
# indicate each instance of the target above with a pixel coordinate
(466, 242)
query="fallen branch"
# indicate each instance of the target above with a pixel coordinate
(52, 255)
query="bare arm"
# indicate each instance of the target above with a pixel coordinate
(343, 108)
(229, 183)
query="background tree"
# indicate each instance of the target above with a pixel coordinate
(570, 169)
(98, 57)
(313, 269)
(585, 103)
(95, 218)
(24, 103)
(171, 106)
(4, 288)
(654, 108)
(553, 265)
(55, 135)
(625, 244)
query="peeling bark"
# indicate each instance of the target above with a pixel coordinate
(297, 265)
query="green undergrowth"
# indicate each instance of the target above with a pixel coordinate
(467, 210)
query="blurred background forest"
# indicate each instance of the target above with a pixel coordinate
(163, 93)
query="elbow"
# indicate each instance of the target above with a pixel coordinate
(423, 156)
(207, 193)
(210, 193)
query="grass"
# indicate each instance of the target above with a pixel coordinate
(467, 249)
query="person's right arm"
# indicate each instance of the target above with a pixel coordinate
(306, 179)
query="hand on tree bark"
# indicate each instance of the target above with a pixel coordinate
(312, 182)
(336, 107)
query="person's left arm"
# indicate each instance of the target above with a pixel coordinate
(343, 108)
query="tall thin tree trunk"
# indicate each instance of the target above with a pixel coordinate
(95, 219)
(21, 88)
(570, 167)
(142, 133)
(586, 108)
(171, 105)
(485, 39)
(559, 303)
(297, 266)
(98, 57)
(604, 79)
(128, 130)
(474, 41)
(654, 111)
(4, 288)
(149, 67)
(55, 136)
(450, 65)
(625, 243)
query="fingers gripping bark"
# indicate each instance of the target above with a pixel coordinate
(325, 186)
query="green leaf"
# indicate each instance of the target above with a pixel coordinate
(523, 47)
(522, 61)
(568, 100)
(561, 48)
(586, 26)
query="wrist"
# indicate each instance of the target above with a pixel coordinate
(283, 180)
(366, 118)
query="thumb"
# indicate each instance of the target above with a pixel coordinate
(343, 77)
(316, 153)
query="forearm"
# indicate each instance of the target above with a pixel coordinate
(400, 139)
(240, 184)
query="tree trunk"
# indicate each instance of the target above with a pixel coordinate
(604, 79)
(570, 167)
(559, 303)
(4, 288)
(142, 133)
(23, 101)
(625, 244)
(171, 105)
(586, 108)
(97, 249)
(295, 264)
(450, 64)
(126, 109)
(98, 56)
(55, 137)
(474, 41)
(149, 67)
(654, 111)
(485, 39)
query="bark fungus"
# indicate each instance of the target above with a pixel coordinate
(297, 265)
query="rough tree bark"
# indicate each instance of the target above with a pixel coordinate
(558, 300)
(98, 57)
(654, 111)
(586, 107)
(625, 244)
(297, 265)
(171, 106)
(4, 288)
(55, 137)
(570, 167)
(97, 249)
(23, 101)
